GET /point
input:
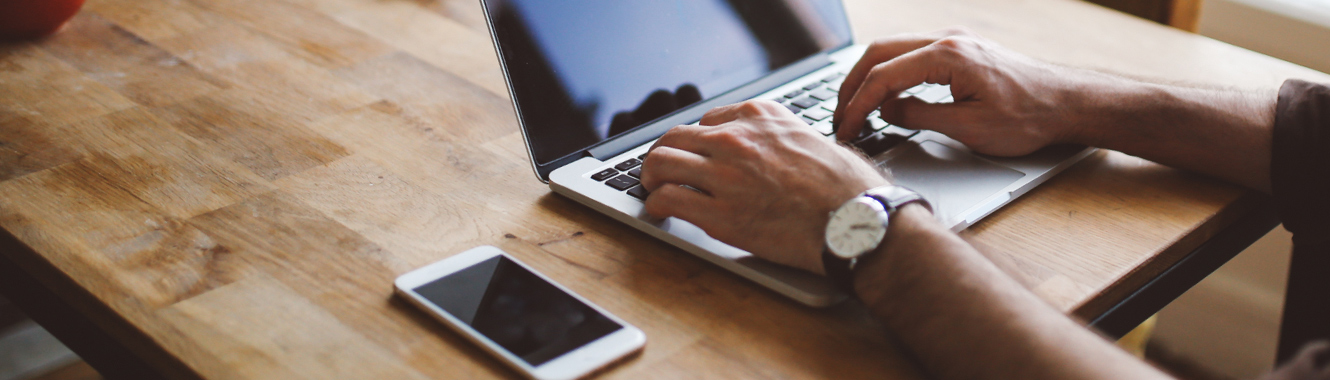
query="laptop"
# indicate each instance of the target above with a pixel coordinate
(595, 82)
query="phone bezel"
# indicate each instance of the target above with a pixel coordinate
(573, 364)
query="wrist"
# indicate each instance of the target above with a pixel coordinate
(1106, 110)
(912, 224)
(1092, 106)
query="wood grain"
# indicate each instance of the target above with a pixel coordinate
(238, 182)
(1181, 14)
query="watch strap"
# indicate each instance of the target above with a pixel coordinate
(839, 271)
(894, 197)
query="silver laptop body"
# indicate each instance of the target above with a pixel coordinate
(963, 186)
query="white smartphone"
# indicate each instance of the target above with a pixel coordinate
(537, 326)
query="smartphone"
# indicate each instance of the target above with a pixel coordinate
(537, 326)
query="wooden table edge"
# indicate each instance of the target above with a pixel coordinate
(1251, 204)
(82, 322)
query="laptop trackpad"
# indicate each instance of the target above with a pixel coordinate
(952, 180)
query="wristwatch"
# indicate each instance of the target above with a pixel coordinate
(858, 227)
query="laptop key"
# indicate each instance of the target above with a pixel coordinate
(638, 192)
(622, 182)
(795, 110)
(877, 143)
(877, 123)
(631, 163)
(899, 131)
(823, 127)
(806, 102)
(833, 77)
(794, 94)
(813, 85)
(607, 173)
(817, 113)
(809, 121)
(934, 94)
(823, 94)
(636, 173)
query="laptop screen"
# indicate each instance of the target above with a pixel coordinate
(583, 71)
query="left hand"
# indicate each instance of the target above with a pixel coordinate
(1006, 104)
(766, 182)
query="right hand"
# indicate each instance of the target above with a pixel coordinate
(1006, 104)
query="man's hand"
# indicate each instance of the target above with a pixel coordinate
(1005, 103)
(765, 182)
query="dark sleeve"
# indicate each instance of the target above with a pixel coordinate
(1300, 183)
(1300, 160)
(1311, 363)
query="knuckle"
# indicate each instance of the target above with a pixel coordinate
(733, 139)
(953, 48)
(881, 43)
(877, 72)
(671, 134)
(656, 159)
(950, 42)
(767, 106)
(710, 117)
(754, 107)
(957, 30)
(717, 110)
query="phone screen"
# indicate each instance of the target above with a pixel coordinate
(513, 307)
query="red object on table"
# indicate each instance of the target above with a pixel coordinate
(23, 19)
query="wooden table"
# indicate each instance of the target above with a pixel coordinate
(226, 188)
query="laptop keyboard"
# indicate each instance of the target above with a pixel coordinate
(624, 176)
(814, 103)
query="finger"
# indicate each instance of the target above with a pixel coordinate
(882, 51)
(878, 52)
(914, 113)
(724, 114)
(666, 165)
(679, 202)
(719, 115)
(684, 137)
(887, 80)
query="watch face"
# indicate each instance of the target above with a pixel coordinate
(857, 227)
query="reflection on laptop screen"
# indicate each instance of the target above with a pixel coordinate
(583, 71)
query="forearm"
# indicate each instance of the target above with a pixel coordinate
(965, 319)
(1222, 133)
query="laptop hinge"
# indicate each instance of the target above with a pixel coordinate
(635, 138)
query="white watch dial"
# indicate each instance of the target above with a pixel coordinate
(857, 227)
